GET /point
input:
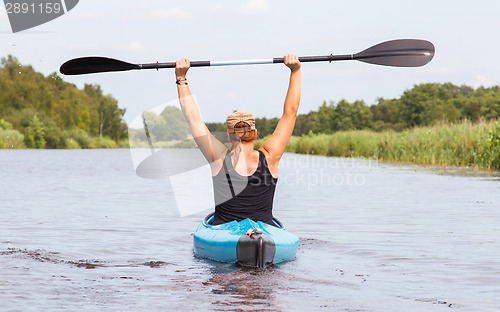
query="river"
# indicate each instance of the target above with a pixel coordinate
(80, 231)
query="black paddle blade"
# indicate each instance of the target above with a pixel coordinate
(399, 53)
(93, 64)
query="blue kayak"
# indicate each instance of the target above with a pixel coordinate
(249, 243)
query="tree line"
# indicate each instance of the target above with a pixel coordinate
(52, 113)
(423, 105)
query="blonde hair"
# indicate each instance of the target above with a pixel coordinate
(238, 137)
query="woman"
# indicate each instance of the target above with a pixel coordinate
(244, 179)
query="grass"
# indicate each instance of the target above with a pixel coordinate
(13, 139)
(459, 144)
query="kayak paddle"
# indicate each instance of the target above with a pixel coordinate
(399, 53)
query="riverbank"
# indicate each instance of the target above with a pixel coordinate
(464, 144)
(460, 144)
(13, 139)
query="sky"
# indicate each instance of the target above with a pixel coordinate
(465, 34)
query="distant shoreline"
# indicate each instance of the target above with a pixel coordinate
(462, 144)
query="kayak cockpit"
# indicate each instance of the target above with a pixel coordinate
(210, 219)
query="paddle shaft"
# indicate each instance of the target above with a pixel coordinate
(302, 59)
(325, 58)
(248, 62)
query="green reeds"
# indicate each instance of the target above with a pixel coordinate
(460, 144)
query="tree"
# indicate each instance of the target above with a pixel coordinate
(386, 110)
(325, 118)
(342, 117)
(176, 127)
(266, 126)
(155, 126)
(110, 121)
(304, 123)
(5, 125)
(490, 107)
(361, 115)
(417, 105)
(10, 65)
(34, 134)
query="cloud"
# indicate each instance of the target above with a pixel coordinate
(434, 71)
(482, 80)
(255, 7)
(109, 47)
(216, 8)
(136, 47)
(173, 13)
(231, 95)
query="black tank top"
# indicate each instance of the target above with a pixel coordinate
(239, 197)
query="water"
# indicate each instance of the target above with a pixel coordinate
(80, 231)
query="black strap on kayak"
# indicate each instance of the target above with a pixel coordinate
(261, 263)
(228, 177)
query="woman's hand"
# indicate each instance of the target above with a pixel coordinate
(292, 61)
(181, 68)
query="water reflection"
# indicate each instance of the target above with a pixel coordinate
(244, 288)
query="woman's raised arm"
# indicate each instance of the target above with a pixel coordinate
(211, 148)
(275, 146)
